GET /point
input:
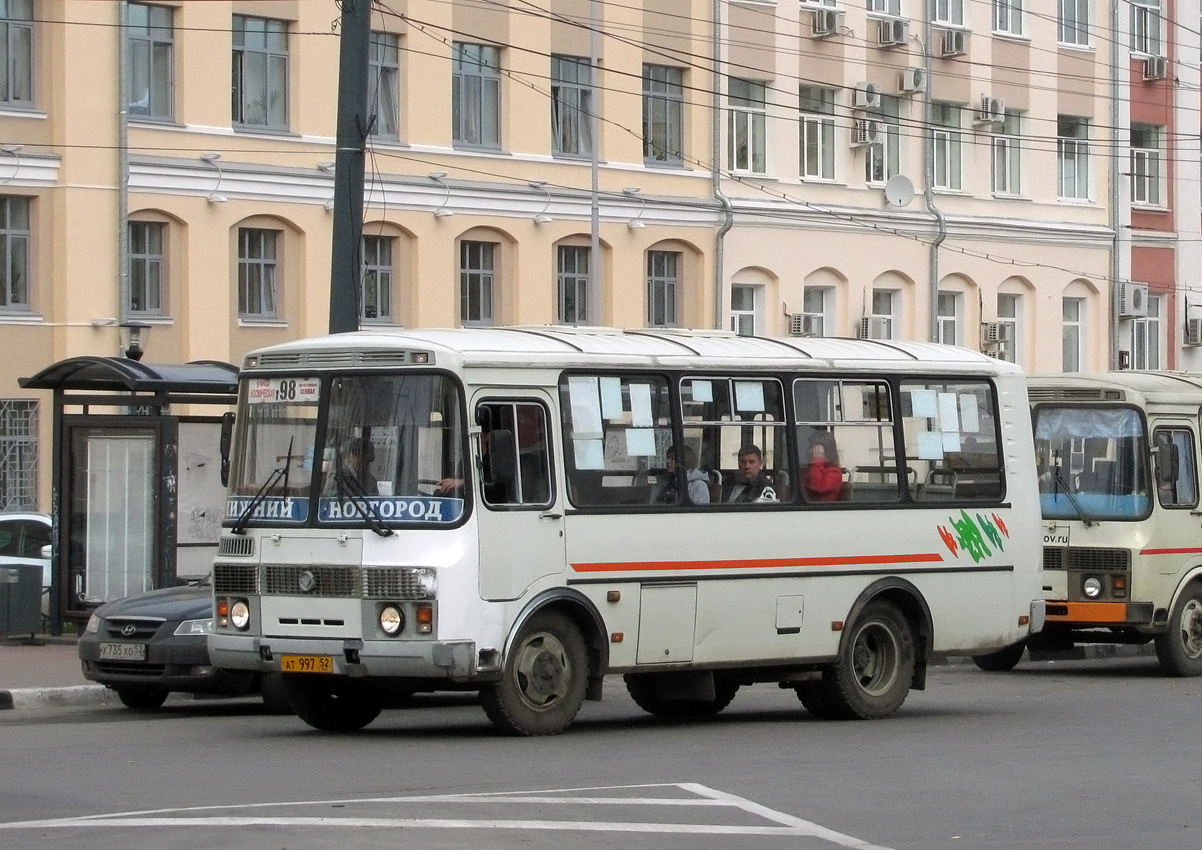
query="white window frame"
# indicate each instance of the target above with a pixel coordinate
(663, 115)
(260, 42)
(1147, 336)
(1005, 162)
(884, 306)
(1147, 27)
(948, 142)
(1072, 334)
(1073, 22)
(17, 53)
(475, 95)
(884, 161)
(571, 287)
(478, 282)
(1072, 159)
(663, 288)
(747, 117)
(1008, 17)
(16, 216)
(376, 288)
(383, 84)
(948, 12)
(949, 318)
(571, 106)
(1009, 318)
(147, 267)
(151, 60)
(1147, 165)
(892, 8)
(817, 301)
(744, 314)
(258, 270)
(816, 156)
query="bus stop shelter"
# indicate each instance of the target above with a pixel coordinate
(136, 493)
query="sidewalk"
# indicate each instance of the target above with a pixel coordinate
(45, 672)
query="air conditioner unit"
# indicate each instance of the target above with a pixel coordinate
(992, 111)
(892, 32)
(826, 22)
(805, 324)
(953, 43)
(1193, 332)
(874, 327)
(867, 131)
(1133, 300)
(1156, 68)
(912, 81)
(867, 96)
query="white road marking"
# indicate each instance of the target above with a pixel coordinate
(701, 797)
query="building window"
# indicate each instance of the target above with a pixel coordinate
(18, 454)
(571, 106)
(1006, 159)
(477, 282)
(14, 253)
(260, 82)
(1147, 27)
(572, 284)
(1147, 336)
(949, 12)
(151, 61)
(814, 304)
(383, 84)
(663, 288)
(1008, 307)
(1072, 333)
(146, 263)
(817, 106)
(948, 318)
(742, 309)
(1072, 153)
(257, 270)
(376, 297)
(884, 161)
(476, 95)
(948, 144)
(883, 307)
(885, 7)
(1146, 164)
(748, 111)
(16, 52)
(1008, 17)
(663, 114)
(1073, 25)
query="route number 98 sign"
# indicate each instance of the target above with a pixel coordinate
(283, 390)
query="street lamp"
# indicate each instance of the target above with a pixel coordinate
(133, 338)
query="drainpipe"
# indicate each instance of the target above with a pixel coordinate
(123, 299)
(928, 178)
(1116, 224)
(716, 168)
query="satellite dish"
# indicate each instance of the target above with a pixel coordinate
(899, 191)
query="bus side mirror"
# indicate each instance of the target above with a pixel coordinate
(1166, 463)
(227, 437)
(500, 462)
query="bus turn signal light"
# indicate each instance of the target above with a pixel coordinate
(425, 619)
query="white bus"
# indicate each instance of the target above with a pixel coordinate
(1117, 457)
(522, 511)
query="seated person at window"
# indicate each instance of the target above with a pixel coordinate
(750, 483)
(356, 466)
(667, 491)
(822, 477)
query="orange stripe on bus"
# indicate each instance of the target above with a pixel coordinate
(763, 563)
(1090, 612)
(1193, 550)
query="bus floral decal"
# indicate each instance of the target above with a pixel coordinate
(974, 535)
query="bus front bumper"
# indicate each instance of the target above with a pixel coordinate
(1134, 614)
(448, 660)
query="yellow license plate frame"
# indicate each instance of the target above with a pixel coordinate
(306, 664)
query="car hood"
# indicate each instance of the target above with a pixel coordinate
(171, 603)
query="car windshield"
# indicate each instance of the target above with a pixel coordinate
(391, 450)
(1092, 462)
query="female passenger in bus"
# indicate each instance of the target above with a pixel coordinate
(667, 492)
(822, 478)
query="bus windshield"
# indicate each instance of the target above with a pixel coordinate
(391, 451)
(1092, 462)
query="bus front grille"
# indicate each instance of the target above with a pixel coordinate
(236, 578)
(303, 580)
(322, 581)
(1086, 559)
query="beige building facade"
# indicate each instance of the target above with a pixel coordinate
(965, 171)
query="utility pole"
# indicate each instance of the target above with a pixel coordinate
(353, 128)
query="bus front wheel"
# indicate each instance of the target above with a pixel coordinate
(872, 677)
(330, 706)
(1180, 647)
(544, 680)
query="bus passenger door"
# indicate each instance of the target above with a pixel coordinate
(520, 512)
(1175, 483)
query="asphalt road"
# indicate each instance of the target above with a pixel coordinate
(1097, 755)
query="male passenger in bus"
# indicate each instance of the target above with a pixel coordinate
(667, 491)
(822, 477)
(750, 483)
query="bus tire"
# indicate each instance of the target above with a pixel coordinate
(1003, 660)
(544, 680)
(142, 699)
(271, 691)
(872, 677)
(1179, 648)
(815, 698)
(641, 687)
(330, 706)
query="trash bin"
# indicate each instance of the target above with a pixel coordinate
(20, 599)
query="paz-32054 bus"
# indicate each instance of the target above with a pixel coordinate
(522, 511)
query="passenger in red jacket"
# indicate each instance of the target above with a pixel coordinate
(822, 478)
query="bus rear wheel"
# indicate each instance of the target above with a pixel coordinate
(645, 695)
(330, 706)
(1180, 647)
(1002, 660)
(544, 680)
(872, 677)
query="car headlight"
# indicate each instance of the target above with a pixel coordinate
(93, 626)
(392, 620)
(1092, 587)
(195, 627)
(240, 615)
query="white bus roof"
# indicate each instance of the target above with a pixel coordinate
(559, 346)
(1163, 387)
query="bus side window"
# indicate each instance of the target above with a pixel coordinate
(1173, 464)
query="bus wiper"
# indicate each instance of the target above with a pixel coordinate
(277, 474)
(351, 486)
(1058, 477)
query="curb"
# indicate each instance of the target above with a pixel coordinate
(74, 695)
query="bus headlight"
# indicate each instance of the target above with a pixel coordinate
(1092, 587)
(392, 620)
(240, 615)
